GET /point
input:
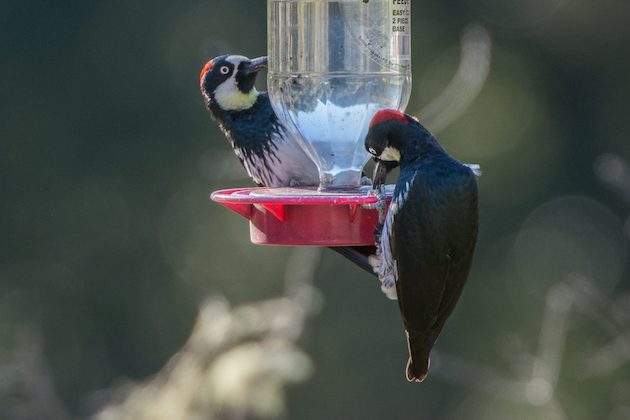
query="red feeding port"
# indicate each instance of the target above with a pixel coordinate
(304, 217)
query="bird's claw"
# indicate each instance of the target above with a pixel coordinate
(381, 202)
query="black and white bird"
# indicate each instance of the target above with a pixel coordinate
(266, 148)
(425, 246)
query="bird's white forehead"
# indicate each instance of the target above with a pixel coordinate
(236, 59)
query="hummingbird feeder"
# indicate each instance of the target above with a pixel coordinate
(332, 65)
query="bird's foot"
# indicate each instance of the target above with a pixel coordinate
(381, 202)
(388, 281)
(375, 262)
(365, 180)
(389, 290)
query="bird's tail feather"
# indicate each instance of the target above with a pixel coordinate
(419, 350)
(358, 255)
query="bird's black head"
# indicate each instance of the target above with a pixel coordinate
(227, 81)
(386, 138)
(395, 137)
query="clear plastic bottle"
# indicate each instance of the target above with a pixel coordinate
(332, 66)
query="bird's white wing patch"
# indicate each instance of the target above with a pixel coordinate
(294, 167)
(475, 168)
(383, 263)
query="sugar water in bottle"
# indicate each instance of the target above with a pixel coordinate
(332, 66)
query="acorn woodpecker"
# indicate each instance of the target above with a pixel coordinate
(265, 147)
(425, 245)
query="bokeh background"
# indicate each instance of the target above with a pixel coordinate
(110, 246)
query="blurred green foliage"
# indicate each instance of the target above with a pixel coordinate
(109, 242)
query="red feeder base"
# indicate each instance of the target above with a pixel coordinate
(304, 217)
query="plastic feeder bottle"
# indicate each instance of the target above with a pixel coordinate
(332, 66)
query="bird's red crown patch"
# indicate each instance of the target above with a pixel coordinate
(386, 115)
(205, 70)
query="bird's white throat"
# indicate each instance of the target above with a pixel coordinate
(230, 98)
(390, 154)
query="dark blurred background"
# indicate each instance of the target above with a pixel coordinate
(110, 244)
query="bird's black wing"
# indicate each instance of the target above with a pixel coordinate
(463, 228)
(434, 234)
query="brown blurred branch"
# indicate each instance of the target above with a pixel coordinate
(235, 365)
(27, 391)
(236, 362)
(538, 387)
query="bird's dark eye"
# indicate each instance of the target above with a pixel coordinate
(224, 70)
(371, 150)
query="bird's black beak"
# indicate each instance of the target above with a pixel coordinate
(380, 174)
(247, 71)
(254, 65)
